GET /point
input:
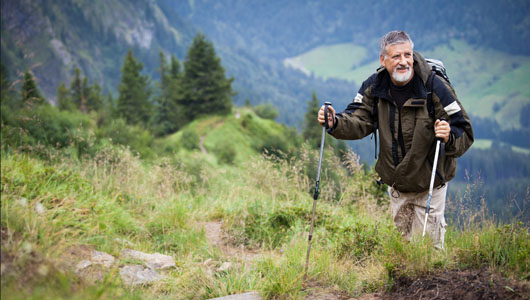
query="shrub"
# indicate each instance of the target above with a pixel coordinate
(190, 139)
(137, 138)
(225, 152)
(266, 111)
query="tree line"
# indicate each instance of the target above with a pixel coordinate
(143, 108)
(185, 91)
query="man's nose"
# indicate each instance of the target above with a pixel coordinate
(402, 60)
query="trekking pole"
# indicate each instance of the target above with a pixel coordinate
(317, 185)
(431, 186)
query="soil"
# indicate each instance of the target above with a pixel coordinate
(217, 236)
(457, 284)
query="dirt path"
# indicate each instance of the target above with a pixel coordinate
(201, 145)
(217, 237)
(200, 129)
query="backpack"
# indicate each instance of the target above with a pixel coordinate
(437, 68)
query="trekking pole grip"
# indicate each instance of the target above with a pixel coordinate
(326, 104)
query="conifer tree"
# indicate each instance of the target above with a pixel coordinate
(169, 112)
(94, 99)
(134, 93)
(311, 130)
(77, 91)
(64, 98)
(206, 89)
(29, 92)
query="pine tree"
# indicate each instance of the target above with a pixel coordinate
(134, 93)
(94, 99)
(311, 130)
(169, 117)
(206, 89)
(77, 91)
(30, 93)
(64, 98)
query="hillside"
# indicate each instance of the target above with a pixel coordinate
(196, 225)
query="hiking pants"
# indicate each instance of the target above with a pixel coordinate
(408, 211)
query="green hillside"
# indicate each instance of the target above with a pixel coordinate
(490, 83)
(242, 135)
(229, 226)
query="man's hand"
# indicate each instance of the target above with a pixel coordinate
(442, 130)
(331, 116)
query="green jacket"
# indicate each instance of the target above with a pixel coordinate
(405, 160)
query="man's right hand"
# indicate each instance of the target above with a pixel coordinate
(331, 116)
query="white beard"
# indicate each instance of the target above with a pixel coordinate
(402, 77)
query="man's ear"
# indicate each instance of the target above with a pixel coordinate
(382, 60)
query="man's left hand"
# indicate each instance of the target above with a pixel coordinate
(442, 130)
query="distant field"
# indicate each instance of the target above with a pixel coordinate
(486, 144)
(490, 83)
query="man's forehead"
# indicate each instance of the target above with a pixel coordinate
(399, 47)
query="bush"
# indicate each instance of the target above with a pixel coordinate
(45, 126)
(190, 139)
(137, 138)
(225, 152)
(266, 111)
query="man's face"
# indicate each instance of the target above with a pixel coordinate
(399, 63)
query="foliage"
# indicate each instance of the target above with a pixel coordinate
(135, 137)
(169, 113)
(266, 111)
(190, 139)
(29, 92)
(134, 104)
(206, 90)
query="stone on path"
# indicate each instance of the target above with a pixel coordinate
(245, 296)
(155, 261)
(136, 274)
(92, 268)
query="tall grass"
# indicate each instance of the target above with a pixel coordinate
(118, 200)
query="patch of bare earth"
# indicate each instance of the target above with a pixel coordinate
(216, 236)
(456, 284)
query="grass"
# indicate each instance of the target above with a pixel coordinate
(117, 200)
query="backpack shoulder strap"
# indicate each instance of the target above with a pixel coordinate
(375, 120)
(429, 86)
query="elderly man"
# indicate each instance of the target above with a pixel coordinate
(395, 101)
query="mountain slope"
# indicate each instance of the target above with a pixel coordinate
(52, 38)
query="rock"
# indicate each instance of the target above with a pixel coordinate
(244, 296)
(91, 266)
(39, 208)
(102, 258)
(155, 261)
(224, 267)
(85, 263)
(22, 202)
(136, 274)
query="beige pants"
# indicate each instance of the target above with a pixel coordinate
(408, 211)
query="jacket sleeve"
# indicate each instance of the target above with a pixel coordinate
(355, 122)
(448, 107)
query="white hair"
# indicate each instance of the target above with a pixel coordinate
(392, 38)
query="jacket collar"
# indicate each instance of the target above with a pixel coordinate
(422, 71)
